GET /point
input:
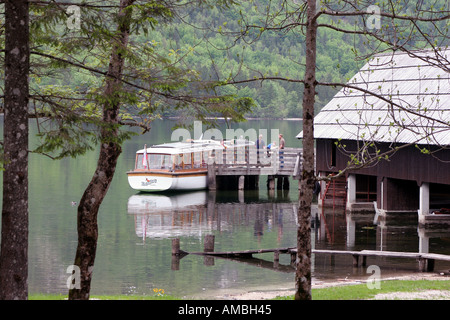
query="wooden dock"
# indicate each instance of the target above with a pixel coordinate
(248, 166)
(426, 261)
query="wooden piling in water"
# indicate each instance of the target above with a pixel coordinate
(209, 243)
(276, 255)
(208, 246)
(175, 265)
(271, 182)
(282, 183)
(286, 183)
(212, 184)
(175, 246)
(230, 168)
(426, 260)
(355, 260)
(241, 183)
(276, 259)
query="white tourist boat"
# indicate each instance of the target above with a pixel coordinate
(180, 165)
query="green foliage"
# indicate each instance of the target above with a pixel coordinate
(67, 139)
(214, 49)
(70, 68)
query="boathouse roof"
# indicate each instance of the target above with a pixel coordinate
(410, 104)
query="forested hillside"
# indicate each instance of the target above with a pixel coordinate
(209, 36)
(208, 41)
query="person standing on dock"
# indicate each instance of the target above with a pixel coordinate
(282, 144)
(260, 144)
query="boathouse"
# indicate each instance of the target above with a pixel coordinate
(392, 123)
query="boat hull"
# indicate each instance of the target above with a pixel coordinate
(157, 182)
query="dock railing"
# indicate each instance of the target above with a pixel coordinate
(284, 162)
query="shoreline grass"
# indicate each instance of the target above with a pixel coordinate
(362, 292)
(340, 292)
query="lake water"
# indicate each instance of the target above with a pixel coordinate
(136, 230)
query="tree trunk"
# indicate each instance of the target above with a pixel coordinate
(14, 238)
(303, 271)
(106, 165)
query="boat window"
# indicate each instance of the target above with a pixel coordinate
(197, 159)
(166, 161)
(187, 160)
(155, 161)
(179, 161)
(139, 163)
(160, 161)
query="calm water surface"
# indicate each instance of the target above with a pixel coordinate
(135, 231)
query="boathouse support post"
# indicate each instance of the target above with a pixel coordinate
(424, 244)
(351, 190)
(241, 183)
(351, 231)
(424, 201)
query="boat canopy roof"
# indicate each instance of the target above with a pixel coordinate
(195, 146)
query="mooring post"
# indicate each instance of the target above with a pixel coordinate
(293, 257)
(426, 265)
(276, 259)
(175, 246)
(276, 255)
(208, 246)
(422, 264)
(175, 265)
(209, 243)
(355, 260)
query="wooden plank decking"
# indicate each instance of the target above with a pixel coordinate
(251, 164)
(284, 162)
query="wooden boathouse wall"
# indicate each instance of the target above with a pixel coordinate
(406, 164)
(402, 81)
(397, 180)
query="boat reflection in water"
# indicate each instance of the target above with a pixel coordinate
(171, 215)
(195, 214)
